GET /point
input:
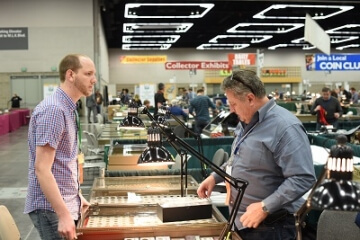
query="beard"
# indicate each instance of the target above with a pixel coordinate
(82, 88)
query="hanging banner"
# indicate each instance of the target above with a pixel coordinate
(241, 59)
(199, 65)
(143, 59)
(332, 62)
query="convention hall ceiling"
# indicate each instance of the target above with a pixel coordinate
(227, 24)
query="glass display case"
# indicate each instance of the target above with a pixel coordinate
(224, 122)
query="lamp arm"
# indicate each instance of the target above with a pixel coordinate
(197, 138)
(238, 183)
(306, 207)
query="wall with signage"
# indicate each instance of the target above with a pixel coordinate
(194, 67)
(36, 34)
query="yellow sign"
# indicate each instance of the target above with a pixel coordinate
(142, 59)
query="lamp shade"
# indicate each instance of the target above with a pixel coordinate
(131, 122)
(338, 191)
(337, 195)
(156, 155)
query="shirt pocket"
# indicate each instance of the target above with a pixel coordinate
(252, 154)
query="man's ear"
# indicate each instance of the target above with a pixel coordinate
(70, 75)
(250, 97)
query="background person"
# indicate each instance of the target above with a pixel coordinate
(137, 100)
(159, 98)
(327, 108)
(91, 107)
(200, 105)
(272, 152)
(99, 100)
(147, 104)
(176, 110)
(53, 200)
(354, 96)
(15, 101)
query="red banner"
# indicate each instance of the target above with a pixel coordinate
(241, 59)
(201, 65)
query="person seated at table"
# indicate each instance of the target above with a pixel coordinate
(219, 105)
(15, 101)
(176, 110)
(137, 100)
(327, 108)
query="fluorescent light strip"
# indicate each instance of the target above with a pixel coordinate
(130, 9)
(342, 39)
(346, 26)
(213, 46)
(333, 39)
(254, 38)
(167, 39)
(261, 15)
(146, 46)
(348, 46)
(281, 27)
(284, 45)
(156, 27)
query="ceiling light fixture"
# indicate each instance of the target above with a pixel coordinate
(284, 45)
(150, 39)
(338, 9)
(201, 10)
(254, 38)
(348, 46)
(214, 46)
(333, 39)
(156, 27)
(265, 27)
(155, 46)
(346, 26)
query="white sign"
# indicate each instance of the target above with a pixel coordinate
(147, 92)
(49, 89)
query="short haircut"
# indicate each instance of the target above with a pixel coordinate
(244, 81)
(146, 102)
(71, 61)
(325, 89)
(161, 86)
(200, 90)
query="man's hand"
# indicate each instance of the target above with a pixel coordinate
(253, 216)
(336, 115)
(66, 226)
(206, 187)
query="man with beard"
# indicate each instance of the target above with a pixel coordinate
(53, 201)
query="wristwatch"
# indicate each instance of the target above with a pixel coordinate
(264, 207)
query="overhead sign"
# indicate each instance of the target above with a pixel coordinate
(315, 35)
(142, 59)
(241, 59)
(332, 62)
(201, 65)
(14, 39)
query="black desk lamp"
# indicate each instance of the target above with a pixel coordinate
(239, 184)
(196, 136)
(131, 121)
(334, 189)
(155, 153)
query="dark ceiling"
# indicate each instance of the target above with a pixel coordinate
(256, 24)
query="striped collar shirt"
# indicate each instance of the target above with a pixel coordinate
(53, 122)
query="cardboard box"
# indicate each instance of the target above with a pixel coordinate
(184, 213)
(121, 159)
